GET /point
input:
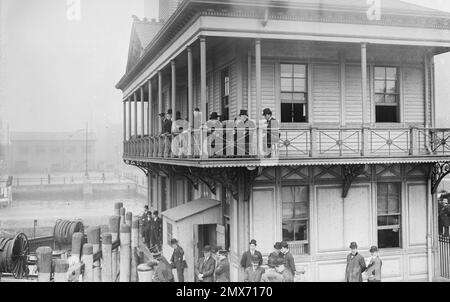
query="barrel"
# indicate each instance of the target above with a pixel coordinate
(145, 273)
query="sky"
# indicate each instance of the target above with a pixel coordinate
(59, 73)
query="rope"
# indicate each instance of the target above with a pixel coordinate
(64, 230)
(13, 256)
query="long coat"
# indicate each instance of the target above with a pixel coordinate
(206, 268)
(356, 265)
(374, 269)
(251, 275)
(246, 260)
(290, 262)
(222, 271)
(177, 257)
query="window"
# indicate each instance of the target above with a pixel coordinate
(169, 233)
(225, 92)
(293, 93)
(386, 95)
(295, 203)
(389, 218)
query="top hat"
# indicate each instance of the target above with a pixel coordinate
(243, 112)
(373, 249)
(207, 248)
(213, 116)
(173, 241)
(277, 246)
(267, 111)
(353, 245)
(253, 241)
(169, 111)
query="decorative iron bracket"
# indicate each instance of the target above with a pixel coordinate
(437, 173)
(349, 174)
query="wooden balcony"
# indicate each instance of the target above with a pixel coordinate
(259, 146)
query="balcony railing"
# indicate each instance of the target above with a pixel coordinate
(252, 142)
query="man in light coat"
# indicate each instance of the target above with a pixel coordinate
(374, 268)
(356, 265)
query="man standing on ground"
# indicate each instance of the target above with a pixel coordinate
(246, 260)
(177, 259)
(204, 270)
(374, 267)
(356, 265)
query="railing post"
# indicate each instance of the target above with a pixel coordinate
(44, 263)
(93, 235)
(125, 253)
(413, 150)
(203, 142)
(61, 268)
(313, 141)
(128, 218)
(114, 228)
(365, 141)
(88, 261)
(134, 246)
(107, 257)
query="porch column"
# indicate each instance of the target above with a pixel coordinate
(150, 109)
(135, 114)
(258, 78)
(364, 82)
(125, 120)
(142, 112)
(203, 78)
(174, 88)
(129, 118)
(160, 98)
(190, 88)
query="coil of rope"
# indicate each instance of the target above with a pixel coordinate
(64, 229)
(13, 256)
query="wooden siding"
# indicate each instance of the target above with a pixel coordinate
(353, 103)
(268, 91)
(413, 96)
(325, 95)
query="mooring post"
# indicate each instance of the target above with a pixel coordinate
(61, 268)
(129, 218)
(122, 216)
(94, 239)
(125, 253)
(134, 246)
(117, 207)
(107, 257)
(44, 263)
(77, 242)
(114, 229)
(88, 260)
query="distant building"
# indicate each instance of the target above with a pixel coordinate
(45, 152)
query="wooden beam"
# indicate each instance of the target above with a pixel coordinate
(142, 112)
(174, 88)
(203, 78)
(150, 109)
(364, 82)
(160, 79)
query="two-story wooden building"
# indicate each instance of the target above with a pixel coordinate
(357, 156)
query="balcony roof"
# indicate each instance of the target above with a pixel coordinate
(191, 9)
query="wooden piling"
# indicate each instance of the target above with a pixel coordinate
(122, 215)
(134, 246)
(77, 242)
(88, 260)
(114, 229)
(125, 253)
(107, 257)
(93, 235)
(61, 268)
(129, 218)
(117, 207)
(44, 263)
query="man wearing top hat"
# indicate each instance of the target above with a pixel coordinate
(222, 271)
(246, 260)
(272, 135)
(374, 268)
(356, 265)
(255, 272)
(245, 134)
(167, 123)
(204, 270)
(214, 141)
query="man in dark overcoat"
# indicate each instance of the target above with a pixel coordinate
(246, 260)
(204, 270)
(356, 265)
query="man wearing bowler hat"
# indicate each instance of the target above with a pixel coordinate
(245, 132)
(374, 267)
(246, 260)
(167, 123)
(356, 265)
(204, 270)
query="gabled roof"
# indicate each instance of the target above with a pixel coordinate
(191, 208)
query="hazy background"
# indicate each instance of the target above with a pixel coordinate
(57, 74)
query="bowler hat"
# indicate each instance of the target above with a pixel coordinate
(267, 111)
(373, 249)
(243, 112)
(162, 114)
(173, 241)
(222, 252)
(207, 248)
(277, 246)
(353, 245)
(169, 111)
(213, 116)
(253, 241)
(284, 244)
